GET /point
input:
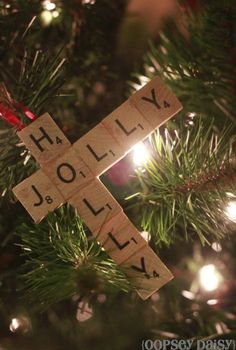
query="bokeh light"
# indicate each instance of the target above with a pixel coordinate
(21, 324)
(231, 211)
(140, 154)
(209, 277)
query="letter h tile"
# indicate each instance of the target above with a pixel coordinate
(70, 173)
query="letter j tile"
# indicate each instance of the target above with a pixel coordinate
(38, 195)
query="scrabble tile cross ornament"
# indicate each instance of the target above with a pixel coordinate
(69, 173)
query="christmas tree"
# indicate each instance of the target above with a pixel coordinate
(79, 60)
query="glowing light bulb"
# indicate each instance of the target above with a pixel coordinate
(209, 277)
(212, 302)
(231, 211)
(20, 323)
(192, 115)
(15, 324)
(151, 69)
(48, 5)
(188, 295)
(145, 235)
(90, 2)
(140, 154)
(46, 17)
(216, 247)
(55, 14)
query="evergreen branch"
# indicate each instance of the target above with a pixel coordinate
(15, 162)
(202, 74)
(187, 183)
(39, 81)
(61, 261)
(38, 84)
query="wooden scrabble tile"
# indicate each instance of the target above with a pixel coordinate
(146, 271)
(127, 125)
(68, 173)
(156, 102)
(98, 149)
(44, 139)
(120, 238)
(95, 205)
(38, 195)
(118, 221)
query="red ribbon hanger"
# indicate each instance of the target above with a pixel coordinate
(7, 109)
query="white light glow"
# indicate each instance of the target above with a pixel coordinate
(192, 115)
(46, 17)
(55, 14)
(145, 235)
(151, 69)
(216, 247)
(230, 195)
(90, 2)
(48, 5)
(212, 302)
(209, 277)
(231, 211)
(15, 324)
(20, 323)
(140, 154)
(188, 295)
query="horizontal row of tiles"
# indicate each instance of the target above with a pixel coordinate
(110, 140)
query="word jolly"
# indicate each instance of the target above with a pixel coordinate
(70, 173)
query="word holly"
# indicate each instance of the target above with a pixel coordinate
(70, 173)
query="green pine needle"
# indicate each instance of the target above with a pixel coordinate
(200, 68)
(37, 86)
(186, 184)
(61, 261)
